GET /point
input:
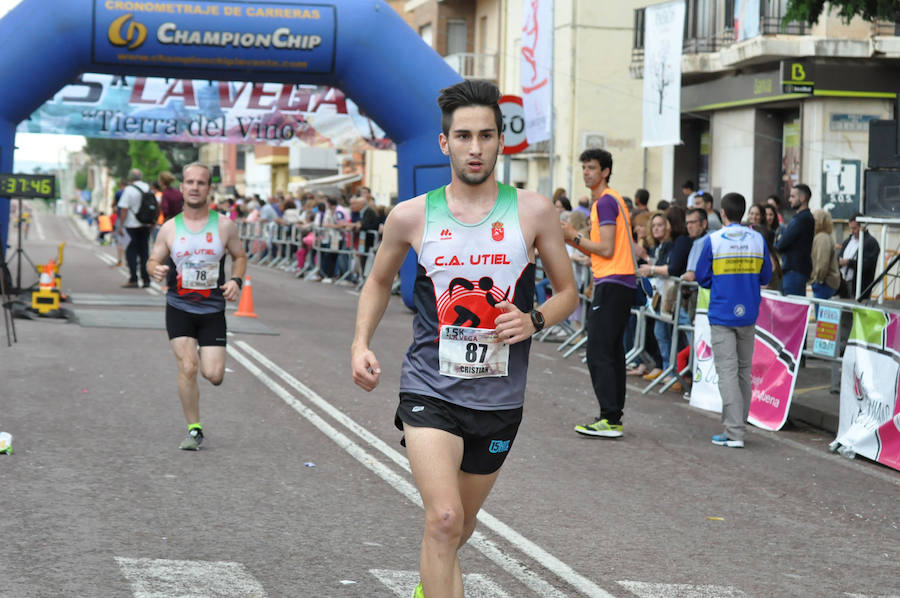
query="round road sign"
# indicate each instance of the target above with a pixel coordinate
(513, 124)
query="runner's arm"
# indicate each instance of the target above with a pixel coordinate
(160, 251)
(514, 325)
(373, 298)
(231, 290)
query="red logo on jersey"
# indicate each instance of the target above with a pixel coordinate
(471, 303)
(446, 234)
(182, 240)
(497, 231)
(209, 237)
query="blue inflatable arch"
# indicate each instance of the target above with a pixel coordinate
(362, 47)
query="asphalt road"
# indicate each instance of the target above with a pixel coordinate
(302, 489)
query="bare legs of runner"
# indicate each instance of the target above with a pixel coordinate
(452, 499)
(211, 363)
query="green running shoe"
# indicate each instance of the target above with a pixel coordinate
(419, 592)
(193, 440)
(602, 428)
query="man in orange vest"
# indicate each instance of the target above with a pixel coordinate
(615, 283)
(105, 226)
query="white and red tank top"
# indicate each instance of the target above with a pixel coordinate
(197, 267)
(463, 271)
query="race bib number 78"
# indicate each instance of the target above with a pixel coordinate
(200, 275)
(472, 353)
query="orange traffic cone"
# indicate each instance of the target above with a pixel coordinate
(245, 306)
(47, 280)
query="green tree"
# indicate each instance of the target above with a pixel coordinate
(809, 11)
(81, 180)
(148, 156)
(180, 154)
(111, 152)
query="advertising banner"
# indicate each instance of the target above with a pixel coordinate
(537, 65)
(746, 19)
(108, 106)
(263, 36)
(705, 389)
(663, 35)
(869, 423)
(780, 334)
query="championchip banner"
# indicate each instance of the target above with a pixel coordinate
(187, 110)
(870, 381)
(263, 36)
(780, 334)
(663, 35)
(536, 69)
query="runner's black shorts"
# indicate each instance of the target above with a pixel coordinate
(208, 329)
(487, 435)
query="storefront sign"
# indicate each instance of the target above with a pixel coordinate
(869, 421)
(191, 110)
(851, 122)
(797, 77)
(827, 332)
(238, 36)
(841, 187)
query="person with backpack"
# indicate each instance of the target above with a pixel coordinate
(138, 211)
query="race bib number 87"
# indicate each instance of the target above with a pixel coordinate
(472, 353)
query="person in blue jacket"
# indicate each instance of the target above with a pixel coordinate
(734, 264)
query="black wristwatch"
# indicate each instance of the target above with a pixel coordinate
(537, 320)
(239, 281)
(577, 239)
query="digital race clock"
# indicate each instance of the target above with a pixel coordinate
(28, 185)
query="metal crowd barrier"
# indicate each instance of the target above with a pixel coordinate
(644, 315)
(275, 246)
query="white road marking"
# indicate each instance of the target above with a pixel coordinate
(162, 578)
(105, 257)
(38, 228)
(475, 585)
(679, 590)
(519, 570)
(542, 356)
(354, 293)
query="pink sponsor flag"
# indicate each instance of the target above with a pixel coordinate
(869, 423)
(780, 335)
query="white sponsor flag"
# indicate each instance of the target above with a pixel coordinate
(537, 62)
(746, 19)
(663, 35)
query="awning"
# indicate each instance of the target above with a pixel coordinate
(335, 180)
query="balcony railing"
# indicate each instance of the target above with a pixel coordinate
(887, 29)
(474, 66)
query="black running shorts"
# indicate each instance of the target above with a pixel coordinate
(208, 329)
(487, 435)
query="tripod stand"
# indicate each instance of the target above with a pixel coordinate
(6, 306)
(17, 255)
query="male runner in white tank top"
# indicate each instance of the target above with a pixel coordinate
(190, 251)
(463, 377)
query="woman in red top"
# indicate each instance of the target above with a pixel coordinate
(172, 201)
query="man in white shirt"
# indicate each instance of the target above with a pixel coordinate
(139, 234)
